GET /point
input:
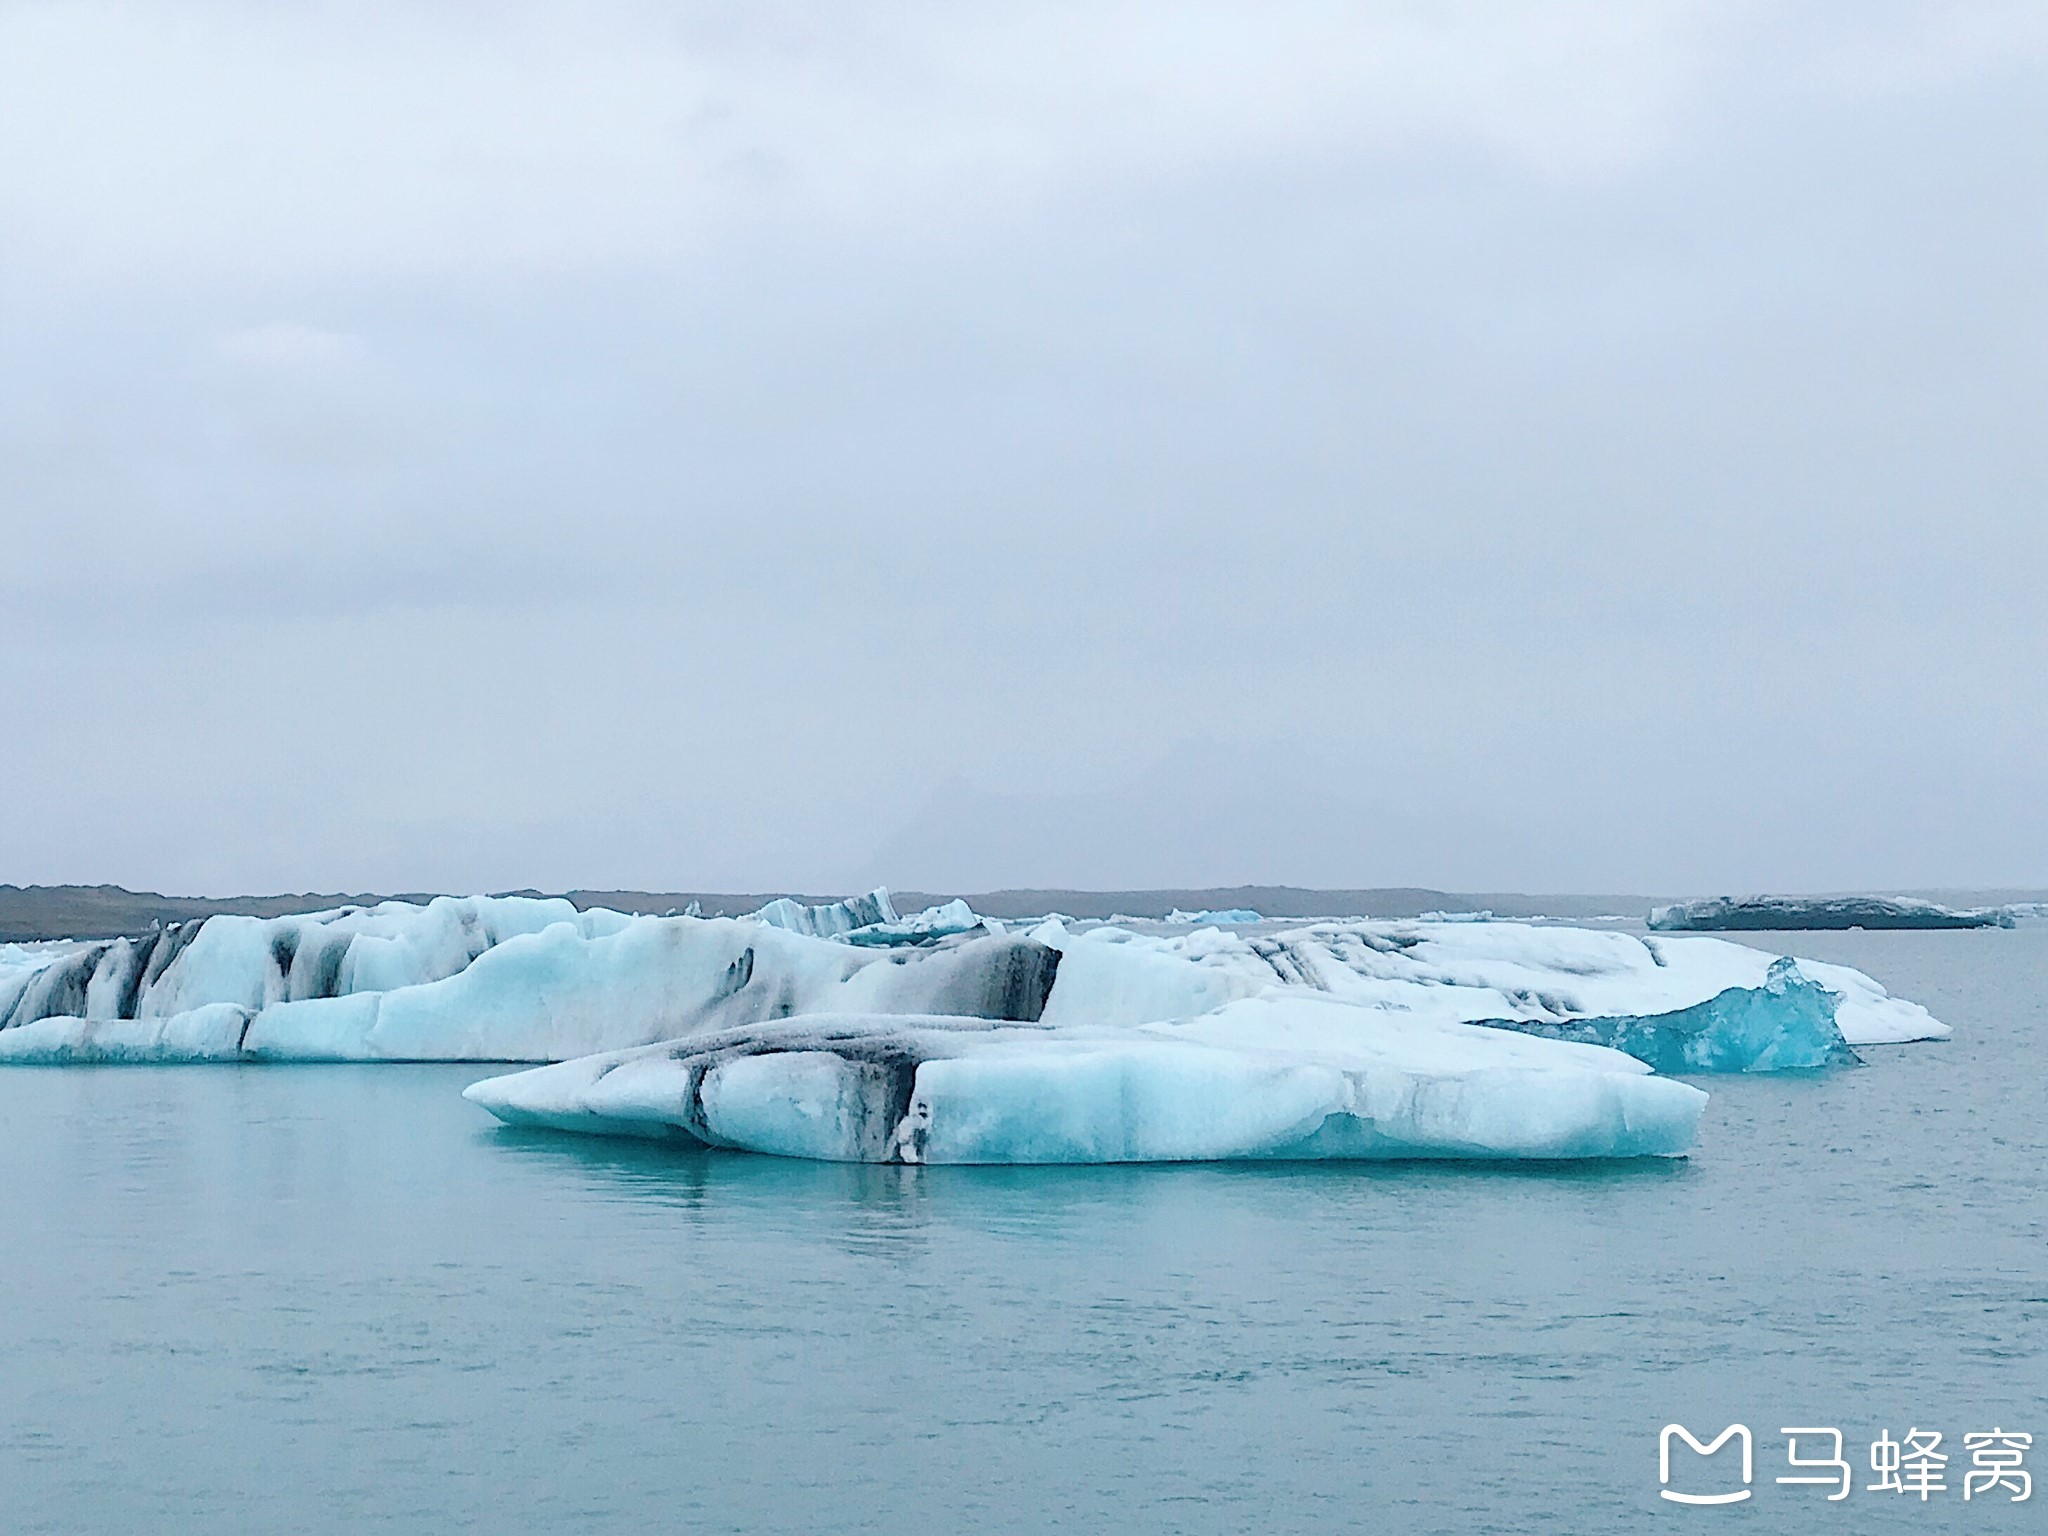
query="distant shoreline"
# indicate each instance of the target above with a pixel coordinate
(43, 912)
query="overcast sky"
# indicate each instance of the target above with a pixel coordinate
(757, 445)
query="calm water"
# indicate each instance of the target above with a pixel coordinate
(339, 1299)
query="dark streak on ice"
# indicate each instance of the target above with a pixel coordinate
(884, 1071)
(284, 948)
(739, 973)
(169, 945)
(131, 984)
(323, 977)
(1014, 983)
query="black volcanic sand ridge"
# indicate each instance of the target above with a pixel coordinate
(29, 913)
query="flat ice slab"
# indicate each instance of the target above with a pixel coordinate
(1732, 914)
(1263, 1078)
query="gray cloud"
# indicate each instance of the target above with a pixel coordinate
(739, 446)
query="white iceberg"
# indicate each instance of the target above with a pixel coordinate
(587, 981)
(830, 919)
(1268, 1078)
(871, 921)
(519, 979)
(1342, 1039)
(1503, 972)
(940, 922)
(254, 962)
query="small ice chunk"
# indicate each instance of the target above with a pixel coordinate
(922, 927)
(829, 919)
(1787, 1024)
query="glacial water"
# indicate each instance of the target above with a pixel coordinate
(340, 1299)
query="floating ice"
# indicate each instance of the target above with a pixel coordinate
(1722, 914)
(1786, 1024)
(211, 1032)
(1221, 915)
(923, 1043)
(1268, 1078)
(923, 927)
(526, 980)
(594, 982)
(1504, 973)
(256, 962)
(871, 921)
(831, 919)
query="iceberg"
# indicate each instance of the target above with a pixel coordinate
(830, 919)
(872, 921)
(256, 962)
(1221, 915)
(940, 922)
(1722, 914)
(1506, 974)
(1263, 1078)
(1786, 1024)
(592, 981)
(525, 979)
(933, 1042)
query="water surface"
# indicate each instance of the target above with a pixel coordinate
(332, 1299)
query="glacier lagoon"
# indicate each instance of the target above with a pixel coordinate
(336, 1298)
(848, 1033)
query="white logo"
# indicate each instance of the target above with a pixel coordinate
(1664, 1463)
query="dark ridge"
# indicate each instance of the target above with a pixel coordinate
(325, 977)
(32, 912)
(168, 946)
(1286, 964)
(131, 983)
(1010, 979)
(1284, 901)
(739, 973)
(1752, 914)
(29, 913)
(284, 949)
(884, 1069)
(58, 992)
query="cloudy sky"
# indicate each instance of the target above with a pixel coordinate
(454, 445)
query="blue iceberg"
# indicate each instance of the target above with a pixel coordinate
(1785, 1025)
